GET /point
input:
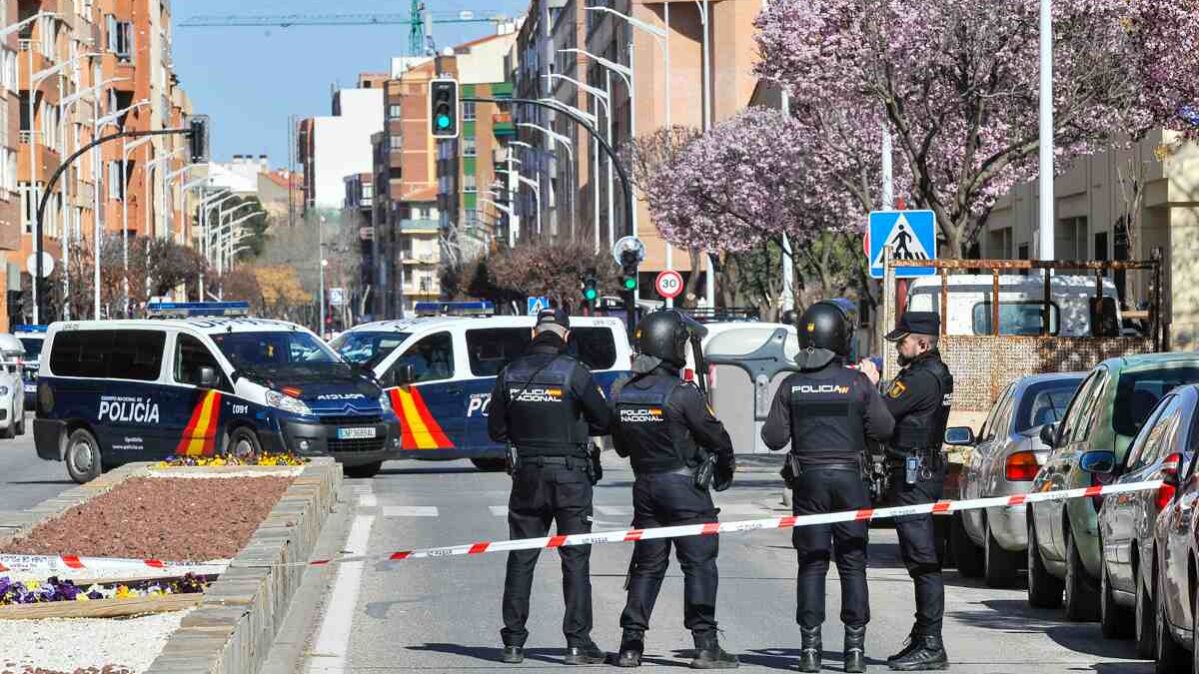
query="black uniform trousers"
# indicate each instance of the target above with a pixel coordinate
(542, 494)
(663, 500)
(918, 545)
(825, 490)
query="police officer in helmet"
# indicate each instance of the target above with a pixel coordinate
(665, 426)
(545, 406)
(824, 414)
(919, 399)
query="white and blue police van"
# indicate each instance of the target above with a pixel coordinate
(32, 338)
(439, 371)
(198, 384)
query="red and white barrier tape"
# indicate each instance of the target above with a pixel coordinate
(72, 565)
(75, 564)
(787, 522)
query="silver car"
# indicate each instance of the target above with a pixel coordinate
(1007, 454)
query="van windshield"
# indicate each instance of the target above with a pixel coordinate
(368, 348)
(274, 353)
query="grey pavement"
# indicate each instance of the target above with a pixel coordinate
(26, 480)
(443, 615)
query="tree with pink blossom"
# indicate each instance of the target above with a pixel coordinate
(957, 84)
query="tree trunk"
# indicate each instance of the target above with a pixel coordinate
(689, 297)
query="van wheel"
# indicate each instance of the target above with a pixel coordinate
(243, 444)
(967, 555)
(1001, 565)
(366, 470)
(489, 465)
(83, 456)
(1081, 604)
(1114, 620)
(1170, 656)
(1044, 589)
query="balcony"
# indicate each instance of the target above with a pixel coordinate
(422, 289)
(421, 225)
(502, 126)
(410, 258)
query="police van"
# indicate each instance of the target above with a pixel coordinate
(112, 392)
(439, 371)
(32, 338)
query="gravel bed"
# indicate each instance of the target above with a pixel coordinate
(161, 518)
(85, 646)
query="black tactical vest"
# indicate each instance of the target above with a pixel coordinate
(827, 417)
(646, 430)
(924, 429)
(543, 414)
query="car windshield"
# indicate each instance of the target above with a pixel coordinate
(33, 347)
(368, 348)
(296, 353)
(1044, 402)
(1138, 393)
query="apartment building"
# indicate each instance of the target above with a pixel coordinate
(339, 145)
(10, 129)
(357, 217)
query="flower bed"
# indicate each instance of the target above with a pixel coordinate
(53, 590)
(265, 459)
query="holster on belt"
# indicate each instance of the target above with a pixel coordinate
(511, 459)
(595, 468)
(704, 472)
(791, 471)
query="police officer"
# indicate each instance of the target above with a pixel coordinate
(545, 406)
(919, 399)
(665, 426)
(825, 413)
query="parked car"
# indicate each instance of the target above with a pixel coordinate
(1105, 413)
(12, 387)
(1126, 521)
(1008, 453)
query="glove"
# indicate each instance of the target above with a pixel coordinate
(726, 465)
(597, 465)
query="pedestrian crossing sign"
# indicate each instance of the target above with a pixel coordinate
(537, 304)
(912, 235)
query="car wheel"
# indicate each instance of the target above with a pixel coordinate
(243, 444)
(1145, 612)
(1082, 603)
(364, 471)
(1044, 589)
(1114, 620)
(83, 456)
(489, 465)
(1000, 565)
(966, 554)
(1170, 657)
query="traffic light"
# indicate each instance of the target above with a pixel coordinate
(628, 269)
(590, 290)
(198, 139)
(443, 99)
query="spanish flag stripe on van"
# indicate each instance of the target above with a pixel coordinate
(199, 437)
(439, 437)
(419, 429)
(397, 405)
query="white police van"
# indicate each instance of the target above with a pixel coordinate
(439, 372)
(112, 392)
(32, 338)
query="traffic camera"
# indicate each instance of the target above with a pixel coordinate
(443, 99)
(198, 139)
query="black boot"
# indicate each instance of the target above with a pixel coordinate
(585, 654)
(910, 644)
(632, 645)
(513, 655)
(811, 650)
(709, 654)
(928, 654)
(855, 649)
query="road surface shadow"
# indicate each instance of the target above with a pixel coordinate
(1016, 616)
(1124, 667)
(39, 482)
(787, 659)
(491, 654)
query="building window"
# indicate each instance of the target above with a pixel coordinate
(368, 191)
(26, 207)
(120, 37)
(468, 183)
(116, 185)
(395, 111)
(395, 142)
(1070, 239)
(468, 111)
(469, 146)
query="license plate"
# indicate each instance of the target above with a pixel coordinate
(355, 433)
(31, 388)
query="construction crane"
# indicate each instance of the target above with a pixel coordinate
(419, 21)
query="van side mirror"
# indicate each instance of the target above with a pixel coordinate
(403, 374)
(959, 436)
(1049, 435)
(1100, 461)
(208, 377)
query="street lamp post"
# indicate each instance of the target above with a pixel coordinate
(536, 187)
(566, 143)
(1045, 239)
(126, 148)
(320, 235)
(604, 97)
(97, 124)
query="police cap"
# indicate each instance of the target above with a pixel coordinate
(916, 323)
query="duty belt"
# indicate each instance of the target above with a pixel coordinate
(933, 456)
(568, 461)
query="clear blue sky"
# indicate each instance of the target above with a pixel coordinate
(251, 79)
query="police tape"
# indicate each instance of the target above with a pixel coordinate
(75, 564)
(785, 522)
(72, 565)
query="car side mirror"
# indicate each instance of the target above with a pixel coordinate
(404, 374)
(959, 436)
(1100, 461)
(208, 377)
(1049, 435)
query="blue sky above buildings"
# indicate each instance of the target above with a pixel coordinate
(251, 79)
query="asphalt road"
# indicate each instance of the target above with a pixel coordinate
(26, 480)
(443, 615)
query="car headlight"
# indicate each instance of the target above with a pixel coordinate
(3, 390)
(385, 402)
(287, 403)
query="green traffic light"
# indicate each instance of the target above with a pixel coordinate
(443, 121)
(590, 294)
(630, 283)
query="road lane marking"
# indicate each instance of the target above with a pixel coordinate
(498, 511)
(329, 651)
(410, 511)
(368, 501)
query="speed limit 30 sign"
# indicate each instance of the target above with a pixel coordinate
(669, 284)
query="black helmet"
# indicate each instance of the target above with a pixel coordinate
(825, 333)
(664, 335)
